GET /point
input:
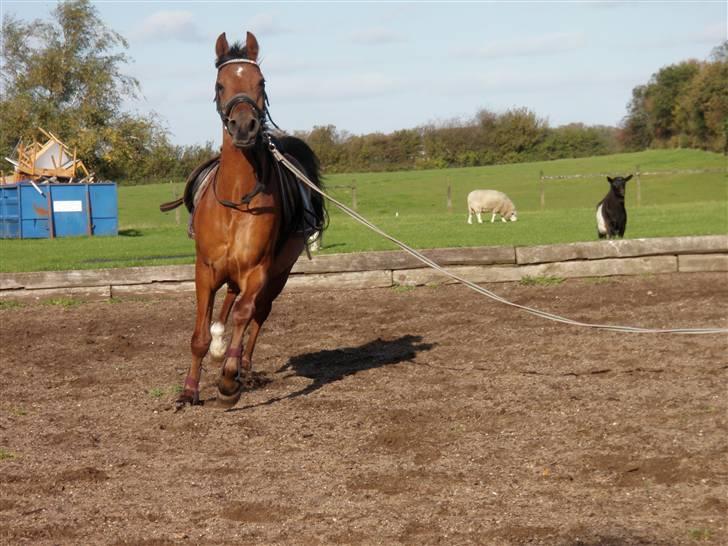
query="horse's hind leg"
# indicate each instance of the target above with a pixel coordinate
(205, 291)
(262, 310)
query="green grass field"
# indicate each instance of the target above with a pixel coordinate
(411, 206)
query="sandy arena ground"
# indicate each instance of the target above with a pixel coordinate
(387, 416)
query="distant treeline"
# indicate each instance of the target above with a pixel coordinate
(682, 105)
(515, 136)
(65, 75)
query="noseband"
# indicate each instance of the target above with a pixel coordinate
(224, 110)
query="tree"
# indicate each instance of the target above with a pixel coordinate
(682, 104)
(662, 95)
(636, 131)
(326, 142)
(518, 131)
(703, 107)
(66, 76)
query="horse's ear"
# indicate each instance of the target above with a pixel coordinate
(628, 178)
(251, 46)
(610, 180)
(221, 46)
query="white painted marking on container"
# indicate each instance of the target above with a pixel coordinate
(67, 206)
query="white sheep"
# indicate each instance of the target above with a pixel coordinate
(490, 201)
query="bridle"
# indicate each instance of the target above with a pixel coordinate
(262, 115)
(224, 110)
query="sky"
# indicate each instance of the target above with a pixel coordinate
(369, 67)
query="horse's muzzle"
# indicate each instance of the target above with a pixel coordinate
(243, 130)
(244, 144)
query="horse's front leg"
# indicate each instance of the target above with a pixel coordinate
(218, 347)
(229, 385)
(205, 291)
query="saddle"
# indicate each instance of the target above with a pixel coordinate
(298, 208)
(195, 183)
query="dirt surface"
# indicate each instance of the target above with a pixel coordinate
(422, 416)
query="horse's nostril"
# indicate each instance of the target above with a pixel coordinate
(253, 125)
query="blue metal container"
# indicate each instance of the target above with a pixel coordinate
(29, 211)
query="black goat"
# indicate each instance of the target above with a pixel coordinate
(611, 214)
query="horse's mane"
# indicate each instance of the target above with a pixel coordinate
(303, 154)
(295, 215)
(236, 51)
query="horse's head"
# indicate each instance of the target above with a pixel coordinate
(618, 184)
(240, 90)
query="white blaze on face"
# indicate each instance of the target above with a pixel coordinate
(601, 226)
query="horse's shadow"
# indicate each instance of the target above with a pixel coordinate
(324, 367)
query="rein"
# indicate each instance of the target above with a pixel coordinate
(473, 286)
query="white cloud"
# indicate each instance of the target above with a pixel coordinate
(376, 36)
(345, 87)
(169, 25)
(546, 44)
(268, 24)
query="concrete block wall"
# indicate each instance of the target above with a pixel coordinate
(391, 268)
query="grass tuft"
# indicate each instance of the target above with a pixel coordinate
(403, 287)
(700, 534)
(544, 280)
(63, 302)
(6, 455)
(158, 392)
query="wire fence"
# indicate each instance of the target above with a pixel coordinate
(637, 173)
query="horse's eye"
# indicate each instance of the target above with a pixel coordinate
(218, 88)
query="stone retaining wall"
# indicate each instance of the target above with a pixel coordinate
(390, 268)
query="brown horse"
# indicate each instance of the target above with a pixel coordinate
(250, 222)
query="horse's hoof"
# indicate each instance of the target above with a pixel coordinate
(191, 398)
(229, 392)
(228, 401)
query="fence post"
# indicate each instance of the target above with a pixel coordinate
(353, 194)
(639, 188)
(449, 195)
(543, 191)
